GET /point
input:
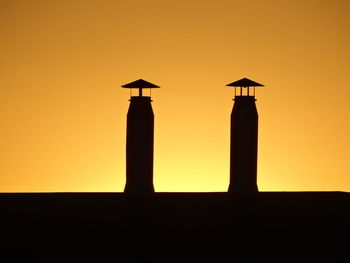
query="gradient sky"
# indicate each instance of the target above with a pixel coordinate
(63, 113)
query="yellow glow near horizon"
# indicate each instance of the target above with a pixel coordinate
(63, 112)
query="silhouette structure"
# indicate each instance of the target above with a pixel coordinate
(244, 139)
(139, 141)
(177, 227)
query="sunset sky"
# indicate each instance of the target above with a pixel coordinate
(63, 112)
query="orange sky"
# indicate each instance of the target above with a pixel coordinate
(63, 112)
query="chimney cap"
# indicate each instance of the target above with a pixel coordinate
(245, 83)
(140, 84)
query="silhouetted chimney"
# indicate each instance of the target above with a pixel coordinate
(244, 138)
(139, 141)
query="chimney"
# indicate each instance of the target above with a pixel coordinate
(244, 138)
(139, 140)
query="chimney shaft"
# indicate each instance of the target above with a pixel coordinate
(139, 146)
(244, 146)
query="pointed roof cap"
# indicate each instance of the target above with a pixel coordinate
(140, 84)
(245, 83)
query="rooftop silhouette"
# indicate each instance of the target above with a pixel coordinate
(142, 225)
(175, 227)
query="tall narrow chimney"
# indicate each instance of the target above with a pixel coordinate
(244, 138)
(139, 141)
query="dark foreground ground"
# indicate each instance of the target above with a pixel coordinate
(175, 227)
